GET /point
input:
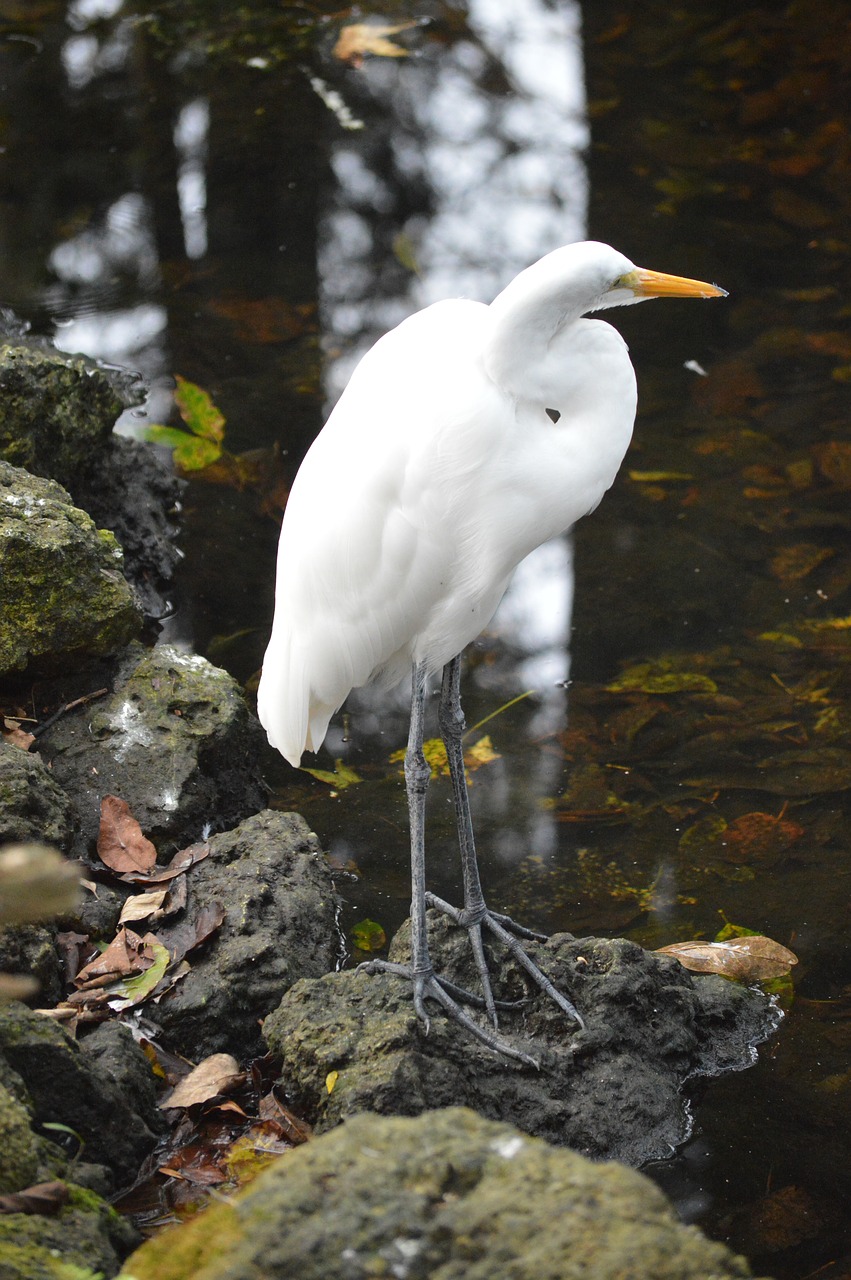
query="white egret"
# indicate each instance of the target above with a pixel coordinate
(466, 437)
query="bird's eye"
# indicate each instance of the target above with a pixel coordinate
(553, 414)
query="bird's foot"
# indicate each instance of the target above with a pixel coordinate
(506, 929)
(428, 986)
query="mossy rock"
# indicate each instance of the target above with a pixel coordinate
(448, 1196)
(18, 1145)
(63, 596)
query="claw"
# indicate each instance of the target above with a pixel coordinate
(429, 987)
(504, 928)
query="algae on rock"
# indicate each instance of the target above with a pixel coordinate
(63, 596)
(448, 1196)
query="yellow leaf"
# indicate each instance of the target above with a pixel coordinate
(658, 477)
(331, 1079)
(368, 37)
(341, 777)
(480, 753)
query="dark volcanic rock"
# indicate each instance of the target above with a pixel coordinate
(32, 804)
(448, 1195)
(129, 489)
(174, 739)
(614, 1090)
(272, 879)
(66, 1086)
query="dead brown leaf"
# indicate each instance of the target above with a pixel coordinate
(182, 861)
(750, 959)
(126, 954)
(121, 844)
(215, 1075)
(42, 1198)
(139, 906)
(184, 935)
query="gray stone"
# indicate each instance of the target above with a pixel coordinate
(447, 1196)
(614, 1090)
(33, 807)
(174, 740)
(275, 885)
(56, 410)
(63, 597)
(64, 1085)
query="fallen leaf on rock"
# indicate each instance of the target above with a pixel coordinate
(182, 861)
(330, 1080)
(751, 959)
(43, 1198)
(215, 1075)
(183, 936)
(137, 989)
(121, 844)
(14, 735)
(141, 905)
(290, 1126)
(125, 955)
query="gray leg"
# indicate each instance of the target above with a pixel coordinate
(425, 983)
(475, 913)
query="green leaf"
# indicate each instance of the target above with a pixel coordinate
(134, 990)
(191, 453)
(198, 411)
(649, 677)
(368, 936)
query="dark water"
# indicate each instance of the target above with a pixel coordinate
(187, 195)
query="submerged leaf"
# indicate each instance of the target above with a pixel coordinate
(368, 936)
(650, 677)
(341, 777)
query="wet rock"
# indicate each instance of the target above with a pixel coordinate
(449, 1195)
(56, 410)
(113, 1053)
(85, 1239)
(63, 597)
(32, 804)
(57, 414)
(18, 1145)
(272, 879)
(174, 739)
(29, 950)
(64, 1085)
(130, 490)
(614, 1090)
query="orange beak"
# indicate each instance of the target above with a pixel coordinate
(655, 284)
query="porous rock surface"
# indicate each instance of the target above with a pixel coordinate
(174, 739)
(272, 878)
(63, 596)
(64, 1085)
(613, 1090)
(447, 1196)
